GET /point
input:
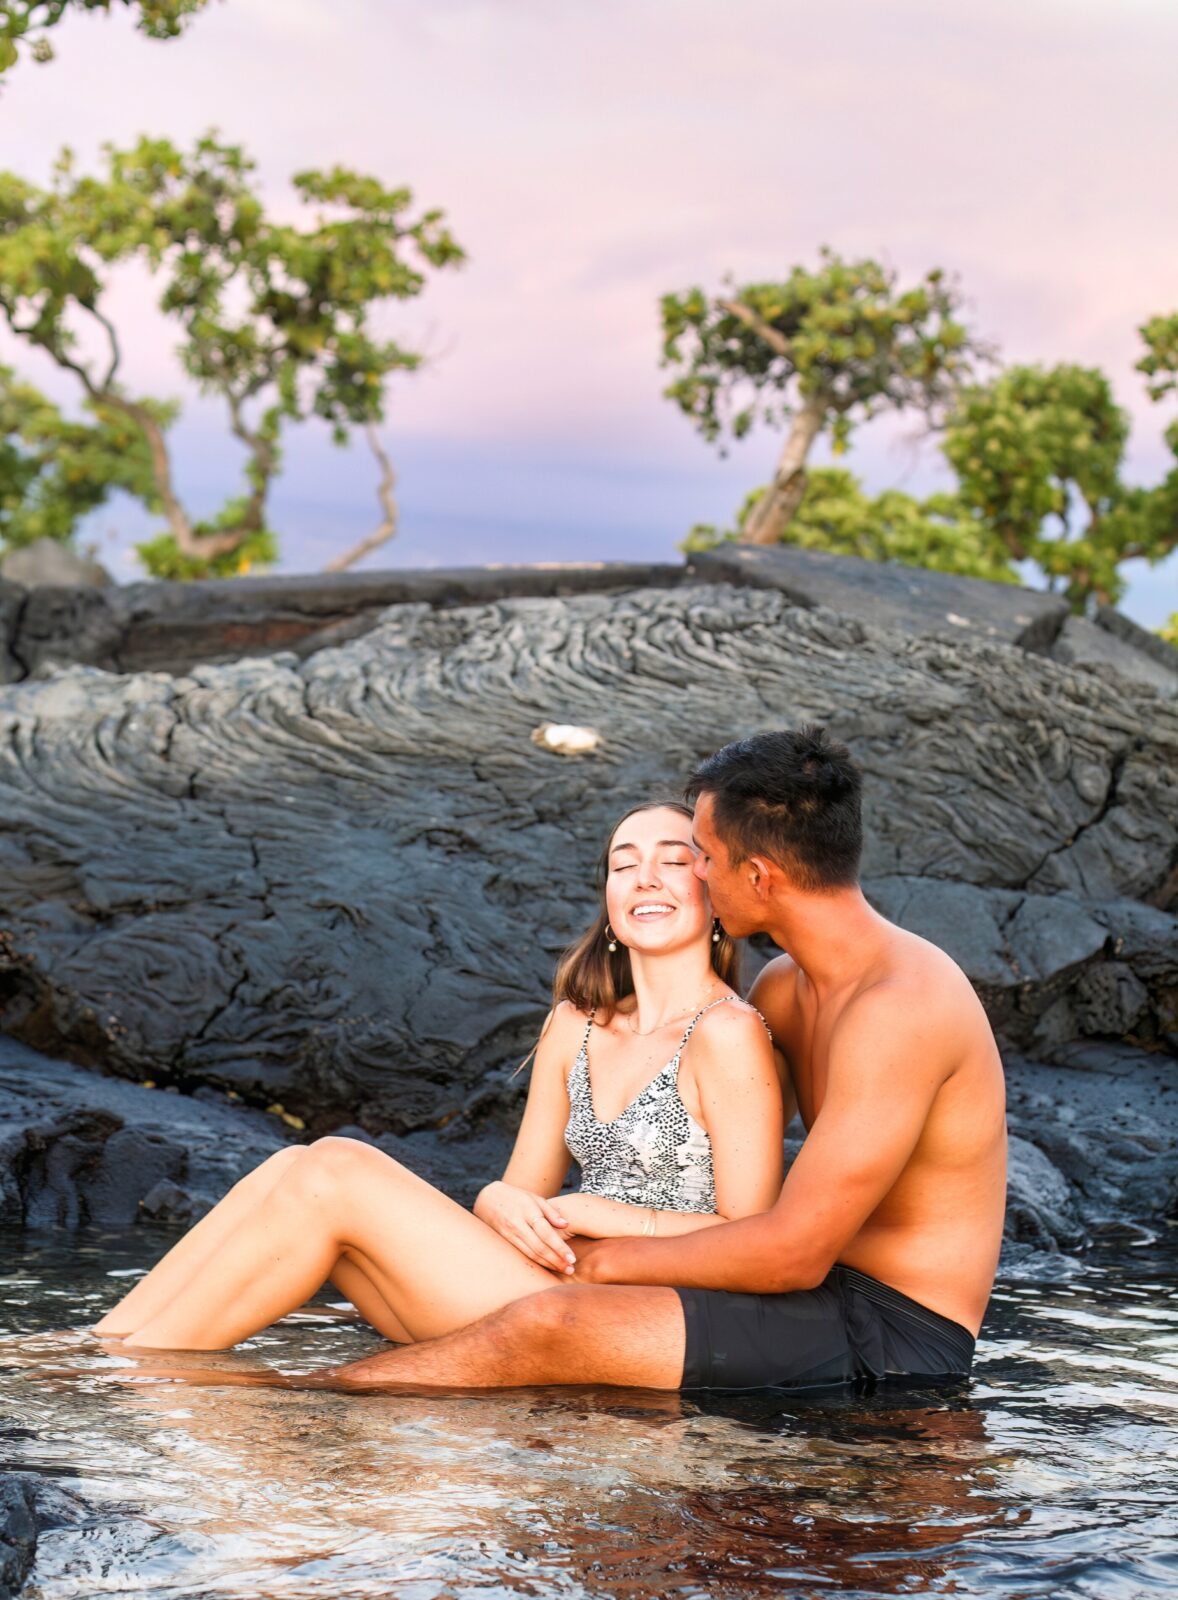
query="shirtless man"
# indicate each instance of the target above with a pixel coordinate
(879, 1256)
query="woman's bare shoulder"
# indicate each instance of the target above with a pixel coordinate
(733, 1024)
(563, 1024)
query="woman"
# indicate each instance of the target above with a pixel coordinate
(650, 1070)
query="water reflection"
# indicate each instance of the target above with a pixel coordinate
(1050, 1476)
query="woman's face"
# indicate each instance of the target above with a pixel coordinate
(654, 900)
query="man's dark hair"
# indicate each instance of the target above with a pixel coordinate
(793, 797)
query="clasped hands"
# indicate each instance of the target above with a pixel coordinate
(544, 1230)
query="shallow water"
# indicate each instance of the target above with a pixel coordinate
(1053, 1475)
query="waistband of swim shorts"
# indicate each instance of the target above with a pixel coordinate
(889, 1299)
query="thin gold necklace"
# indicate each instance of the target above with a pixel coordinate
(650, 1032)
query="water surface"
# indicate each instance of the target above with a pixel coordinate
(1053, 1474)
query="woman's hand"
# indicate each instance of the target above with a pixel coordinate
(534, 1225)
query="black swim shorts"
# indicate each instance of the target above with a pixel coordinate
(851, 1329)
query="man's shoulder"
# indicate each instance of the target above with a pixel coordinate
(920, 993)
(776, 977)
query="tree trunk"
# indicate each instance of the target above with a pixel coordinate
(776, 508)
(201, 547)
(388, 504)
(161, 465)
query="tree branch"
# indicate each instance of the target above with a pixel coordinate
(116, 354)
(776, 341)
(264, 461)
(384, 494)
(161, 465)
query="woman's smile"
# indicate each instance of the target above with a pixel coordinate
(652, 908)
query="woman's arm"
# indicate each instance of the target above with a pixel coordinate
(732, 1065)
(593, 1216)
(540, 1159)
(519, 1206)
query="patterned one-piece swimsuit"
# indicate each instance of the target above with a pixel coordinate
(654, 1153)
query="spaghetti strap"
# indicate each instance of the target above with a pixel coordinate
(588, 1031)
(723, 1000)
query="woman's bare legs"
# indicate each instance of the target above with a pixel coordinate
(174, 1271)
(356, 1285)
(433, 1265)
(153, 1292)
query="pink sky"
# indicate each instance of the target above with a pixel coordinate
(591, 156)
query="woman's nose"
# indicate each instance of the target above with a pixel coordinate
(648, 874)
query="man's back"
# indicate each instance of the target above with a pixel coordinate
(936, 1232)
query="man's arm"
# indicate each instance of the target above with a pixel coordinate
(888, 1058)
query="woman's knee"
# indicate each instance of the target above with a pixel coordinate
(280, 1163)
(335, 1163)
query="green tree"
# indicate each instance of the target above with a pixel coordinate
(836, 515)
(54, 471)
(275, 319)
(29, 21)
(821, 351)
(1038, 454)
(1039, 458)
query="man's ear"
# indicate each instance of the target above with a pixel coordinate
(761, 875)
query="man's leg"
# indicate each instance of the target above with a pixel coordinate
(574, 1334)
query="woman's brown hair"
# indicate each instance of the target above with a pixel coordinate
(590, 976)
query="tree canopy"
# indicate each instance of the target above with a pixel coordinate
(820, 351)
(29, 22)
(275, 319)
(53, 471)
(1039, 459)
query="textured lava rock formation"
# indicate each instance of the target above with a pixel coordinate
(337, 883)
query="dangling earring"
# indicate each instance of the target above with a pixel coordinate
(715, 930)
(612, 937)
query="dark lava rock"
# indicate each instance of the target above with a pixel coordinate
(78, 1148)
(88, 1546)
(12, 604)
(29, 1507)
(1106, 1116)
(1050, 968)
(172, 626)
(340, 883)
(911, 600)
(1086, 644)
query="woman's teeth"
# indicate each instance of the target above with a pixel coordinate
(651, 911)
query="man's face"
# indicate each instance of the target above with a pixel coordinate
(733, 900)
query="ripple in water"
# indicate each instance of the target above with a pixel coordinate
(1052, 1475)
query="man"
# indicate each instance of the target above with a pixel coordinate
(879, 1256)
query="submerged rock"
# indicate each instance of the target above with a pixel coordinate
(30, 1506)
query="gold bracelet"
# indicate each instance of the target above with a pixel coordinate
(651, 1223)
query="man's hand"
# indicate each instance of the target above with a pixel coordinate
(593, 1260)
